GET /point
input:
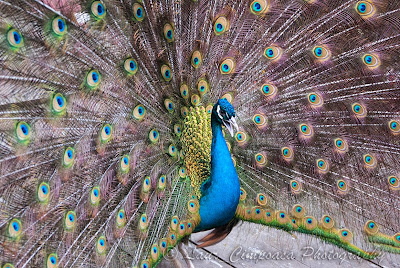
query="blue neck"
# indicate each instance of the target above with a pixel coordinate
(220, 194)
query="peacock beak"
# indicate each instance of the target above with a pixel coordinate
(230, 124)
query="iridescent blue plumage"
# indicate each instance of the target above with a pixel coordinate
(220, 193)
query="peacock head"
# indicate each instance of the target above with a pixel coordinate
(224, 113)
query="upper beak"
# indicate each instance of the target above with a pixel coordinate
(230, 124)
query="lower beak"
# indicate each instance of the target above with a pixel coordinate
(230, 124)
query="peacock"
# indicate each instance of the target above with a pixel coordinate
(128, 125)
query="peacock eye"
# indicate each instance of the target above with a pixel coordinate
(221, 25)
(322, 165)
(101, 245)
(369, 161)
(315, 100)
(365, 9)
(195, 100)
(177, 129)
(261, 160)
(184, 91)
(153, 136)
(69, 157)
(273, 52)
(169, 105)
(14, 38)
(98, 10)
(93, 79)
(166, 72)
(23, 132)
(172, 151)
(58, 103)
(259, 7)
(306, 130)
(202, 86)
(43, 192)
(161, 183)
(138, 12)
(359, 110)
(196, 59)
(394, 126)
(371, 61)
(139, 112)
(106, 133)
(341, 145)
(269, 90)
(227, 66)
(70, 220)
(14, 228)
(169, 32)
(124, 163)
(322, 53)
(130, 66)
(59, 26)
(295, 186)
(287, 153)
(394, 183)
(121, 219)
(52, 261)
(182, 172)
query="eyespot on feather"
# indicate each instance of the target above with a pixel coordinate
(153, 136)
(52, 261)
(370, 161)
(342, 186)
(202, 86)
(310, 223)
(371, 60)
(58, 26)
(327, 222)
(162, 181)
(43, 193)
(196, 59)
(138, 12)
(340, 145)
(345, 235)
(70, 220)
(139, 112)
(168, 32)
(322, 165)
(98, 10)
(321, 53)
(298, 211)
(106, 133)
(169, 105)
(261, 159)
(394, 183)
(14, 38)
(93, 79)
(306, 131)
(260, 121)
(273, 53)
(23, 132)
(101, 245)
(166, 72)
(14, 229)
(58, 103)
(365, 9)
(121, 218)
(295, 186)
(130, 66)
(242, 194)
(269, 90)
(259, 7)
(227, 66)
(184, 91)
(287, 154)
(315, 100)
(221, 25)
(69, 157)
(371, 228)
(394, 126)
(95, 196)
